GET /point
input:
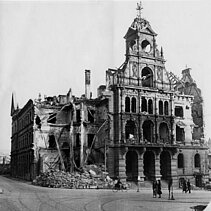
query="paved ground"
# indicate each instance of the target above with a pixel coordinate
(22, 196)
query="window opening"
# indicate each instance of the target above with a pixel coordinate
(130, 129)
(147, 77)
(197, 160)
(161, 107)
(180, 134)
(178, 111)
(91, 115)
(127, 104)
(180, 161)
(52, 142)
(166, 108)
(150, 106)
(52, 118)
(133, 104)
(143, 104)
(164, 132)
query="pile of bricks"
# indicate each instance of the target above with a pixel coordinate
(90, 177)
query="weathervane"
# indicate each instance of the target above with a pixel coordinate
(139, 8)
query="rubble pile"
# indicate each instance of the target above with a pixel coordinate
(91, 176)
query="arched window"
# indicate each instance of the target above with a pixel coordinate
(164, 133)
(143, 104)
(148, 128)
(133, 105)
(161, 107)
(150, 106)
(127, 104)
(197, 160)
(130, 129)
(180, 161)
(166, 108)
(147, 77)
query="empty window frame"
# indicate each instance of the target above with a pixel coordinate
(52, 142)
(180, 161)
(133, 104)
(160, 107)
(143, 104)
(166, 108)
(178, 111)
(150, 106)
(91, 115)
(127, 104)
(180, 134)
(197, 160)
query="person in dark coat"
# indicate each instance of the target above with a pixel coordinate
(184, 186)
(188, 186)
(154, 189)
(159, 189)
(169, 186)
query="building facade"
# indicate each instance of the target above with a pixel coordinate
(145, 122)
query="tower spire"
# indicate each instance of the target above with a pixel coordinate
(12, 105)
(139, 8)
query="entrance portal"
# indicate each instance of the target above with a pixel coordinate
(165, 165)
(149, 165)
(132, 166)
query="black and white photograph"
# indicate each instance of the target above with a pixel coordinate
(105, 105)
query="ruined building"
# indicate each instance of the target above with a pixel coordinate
(145, 122)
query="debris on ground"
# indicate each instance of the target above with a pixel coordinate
(91, 176)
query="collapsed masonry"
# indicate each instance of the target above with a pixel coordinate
(145, 124)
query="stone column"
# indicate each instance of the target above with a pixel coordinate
(157, 167)
(174, 171)
(141, 167)
(122, 169)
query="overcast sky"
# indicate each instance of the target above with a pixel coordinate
(46, 46)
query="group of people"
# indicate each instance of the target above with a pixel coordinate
(156, 187)
(186, 186)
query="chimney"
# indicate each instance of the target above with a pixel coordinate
(87, 84)
(69, 96)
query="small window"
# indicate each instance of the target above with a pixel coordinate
(178, 111)
(150, 106)
(127, 104)
(197, 160)
(134, 105)
(166, 108)
(161, 107)
(180, 160)
(52, 142)
(143, 104)
(91, 115)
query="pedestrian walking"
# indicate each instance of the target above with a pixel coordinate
(169, 187)
(184, 186)
(159, 189)
(188, 186)
(154, 189)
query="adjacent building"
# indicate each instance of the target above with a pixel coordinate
(145, 122)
